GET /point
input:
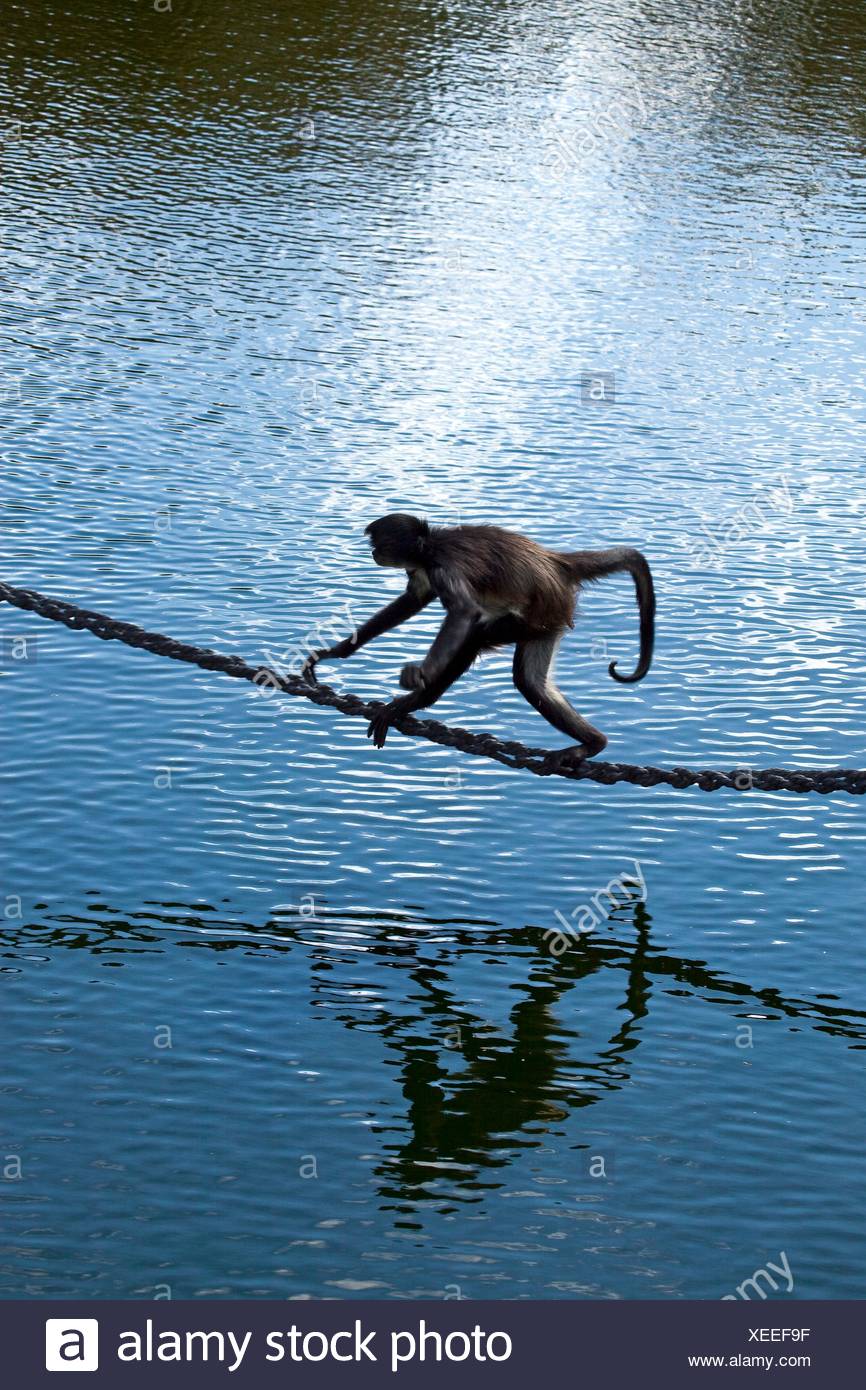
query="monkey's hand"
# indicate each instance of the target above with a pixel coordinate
(412, 677)
(382, 720)
(308, 670)
(342, 649)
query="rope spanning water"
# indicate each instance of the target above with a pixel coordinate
(511, 754)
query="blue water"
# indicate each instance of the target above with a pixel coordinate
(279, 1015)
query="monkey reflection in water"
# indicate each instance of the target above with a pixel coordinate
(498, 588)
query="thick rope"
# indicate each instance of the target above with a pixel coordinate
(538, 760)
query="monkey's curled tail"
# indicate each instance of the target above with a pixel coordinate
(589, 565)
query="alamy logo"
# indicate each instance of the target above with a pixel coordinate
(71, 1344)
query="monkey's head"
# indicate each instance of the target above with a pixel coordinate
(398, 540)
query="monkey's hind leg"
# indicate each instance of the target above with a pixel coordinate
(533, 668)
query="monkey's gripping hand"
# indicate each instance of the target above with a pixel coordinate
(412, 677)
(308, 670)
(382, 720)
(342, 649)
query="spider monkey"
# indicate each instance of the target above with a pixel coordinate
(498, 588)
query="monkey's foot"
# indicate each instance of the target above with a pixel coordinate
(382, 720)
(564, 758)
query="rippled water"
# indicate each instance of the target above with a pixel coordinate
(278, 1013)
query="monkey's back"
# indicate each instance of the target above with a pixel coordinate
(503, 571)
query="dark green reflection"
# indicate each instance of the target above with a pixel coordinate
(474, 1093)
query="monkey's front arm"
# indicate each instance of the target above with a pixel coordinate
(406, 606)
(454, 649)
(450, 638)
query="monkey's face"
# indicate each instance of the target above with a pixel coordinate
(395, 540)
(384, 555)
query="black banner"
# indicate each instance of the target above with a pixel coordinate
(364, 1344)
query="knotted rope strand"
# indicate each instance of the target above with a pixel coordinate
(510, 754)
